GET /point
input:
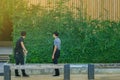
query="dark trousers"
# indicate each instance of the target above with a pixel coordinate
(55, 61)
(19, 59)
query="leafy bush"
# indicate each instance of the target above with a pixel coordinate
(83, 40)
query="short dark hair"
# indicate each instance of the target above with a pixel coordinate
(56, 33)
(23, 33)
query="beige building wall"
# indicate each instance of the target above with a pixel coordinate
(95, 9)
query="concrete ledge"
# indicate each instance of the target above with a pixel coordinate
(75, 69)
(108, 65)
(81, 69)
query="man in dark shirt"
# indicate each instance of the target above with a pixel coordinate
(19, 53)
(56, 51)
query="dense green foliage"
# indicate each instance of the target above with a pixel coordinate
(83, 40)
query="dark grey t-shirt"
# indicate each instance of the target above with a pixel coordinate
(57, 42)
(18, 44)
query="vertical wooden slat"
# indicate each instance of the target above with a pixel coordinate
(119, 9)
(118, 5)
(94, 9)
(98, 9)
(105, 9)
(115, 7)
(89, 10)
(110, 8)
(71, 5)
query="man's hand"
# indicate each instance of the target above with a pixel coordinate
(25, 52)
(52, 56)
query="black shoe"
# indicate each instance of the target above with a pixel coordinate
(25, 75)
(55, 75)
(56, 72)
(18, 75)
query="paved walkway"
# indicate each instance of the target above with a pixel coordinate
(73, 77)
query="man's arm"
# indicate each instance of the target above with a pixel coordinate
(55, 48)
(23, 46)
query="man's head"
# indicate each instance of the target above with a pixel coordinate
(55, 34)
(23, 34)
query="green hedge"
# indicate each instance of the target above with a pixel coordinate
(83, 40)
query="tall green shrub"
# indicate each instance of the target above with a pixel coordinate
(83, 40)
